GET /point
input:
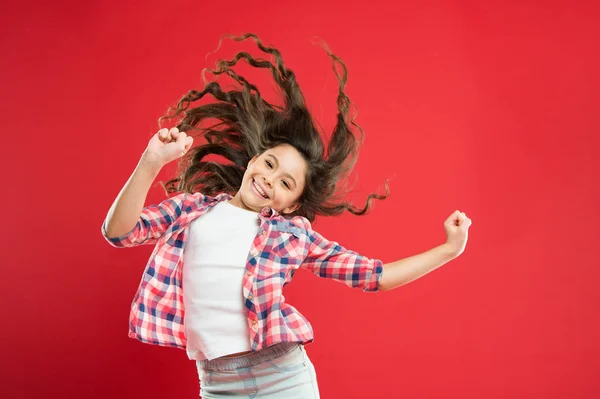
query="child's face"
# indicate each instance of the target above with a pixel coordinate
(280, 172)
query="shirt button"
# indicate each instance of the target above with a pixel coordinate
(254, 252)
(250, 297)
(264, 233)
(249, 273)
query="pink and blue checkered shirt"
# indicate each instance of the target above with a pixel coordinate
(278, 250)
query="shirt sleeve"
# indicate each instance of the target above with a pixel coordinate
(152, 224)
(329, 259)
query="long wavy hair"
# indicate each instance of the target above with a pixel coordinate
(247, 125)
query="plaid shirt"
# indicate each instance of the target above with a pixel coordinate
(278, 250)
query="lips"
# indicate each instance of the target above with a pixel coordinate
(261, 187)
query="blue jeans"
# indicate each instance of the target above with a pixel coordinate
(278, 371)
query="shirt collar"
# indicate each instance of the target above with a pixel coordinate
(267, 211)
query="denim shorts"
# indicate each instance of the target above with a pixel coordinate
(278, 371)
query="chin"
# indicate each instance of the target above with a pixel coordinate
(253, 204)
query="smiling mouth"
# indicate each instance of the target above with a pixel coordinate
(257, 189)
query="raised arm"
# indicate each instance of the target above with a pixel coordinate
(405, 270)
(128, 223)
(127, 207)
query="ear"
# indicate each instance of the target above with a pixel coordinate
(291, 209)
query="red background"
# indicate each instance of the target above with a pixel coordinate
(486, 107)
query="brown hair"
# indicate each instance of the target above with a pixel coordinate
(248, 125)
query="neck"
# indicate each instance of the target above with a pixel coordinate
(237, 201)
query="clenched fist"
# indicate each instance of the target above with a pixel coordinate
(167, 145)
(457, 231)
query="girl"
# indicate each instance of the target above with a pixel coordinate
(236, 233)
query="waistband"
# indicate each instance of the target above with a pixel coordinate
(249, 359)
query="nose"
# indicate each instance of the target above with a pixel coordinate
(267, 181)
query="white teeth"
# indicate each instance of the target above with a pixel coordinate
(259, 189)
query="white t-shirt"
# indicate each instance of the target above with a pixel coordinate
(214, 262)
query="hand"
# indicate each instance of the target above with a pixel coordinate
(167, 145)
(457, 232)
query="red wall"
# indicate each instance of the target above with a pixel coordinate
(489, 108)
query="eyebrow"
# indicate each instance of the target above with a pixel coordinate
(285, 174)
